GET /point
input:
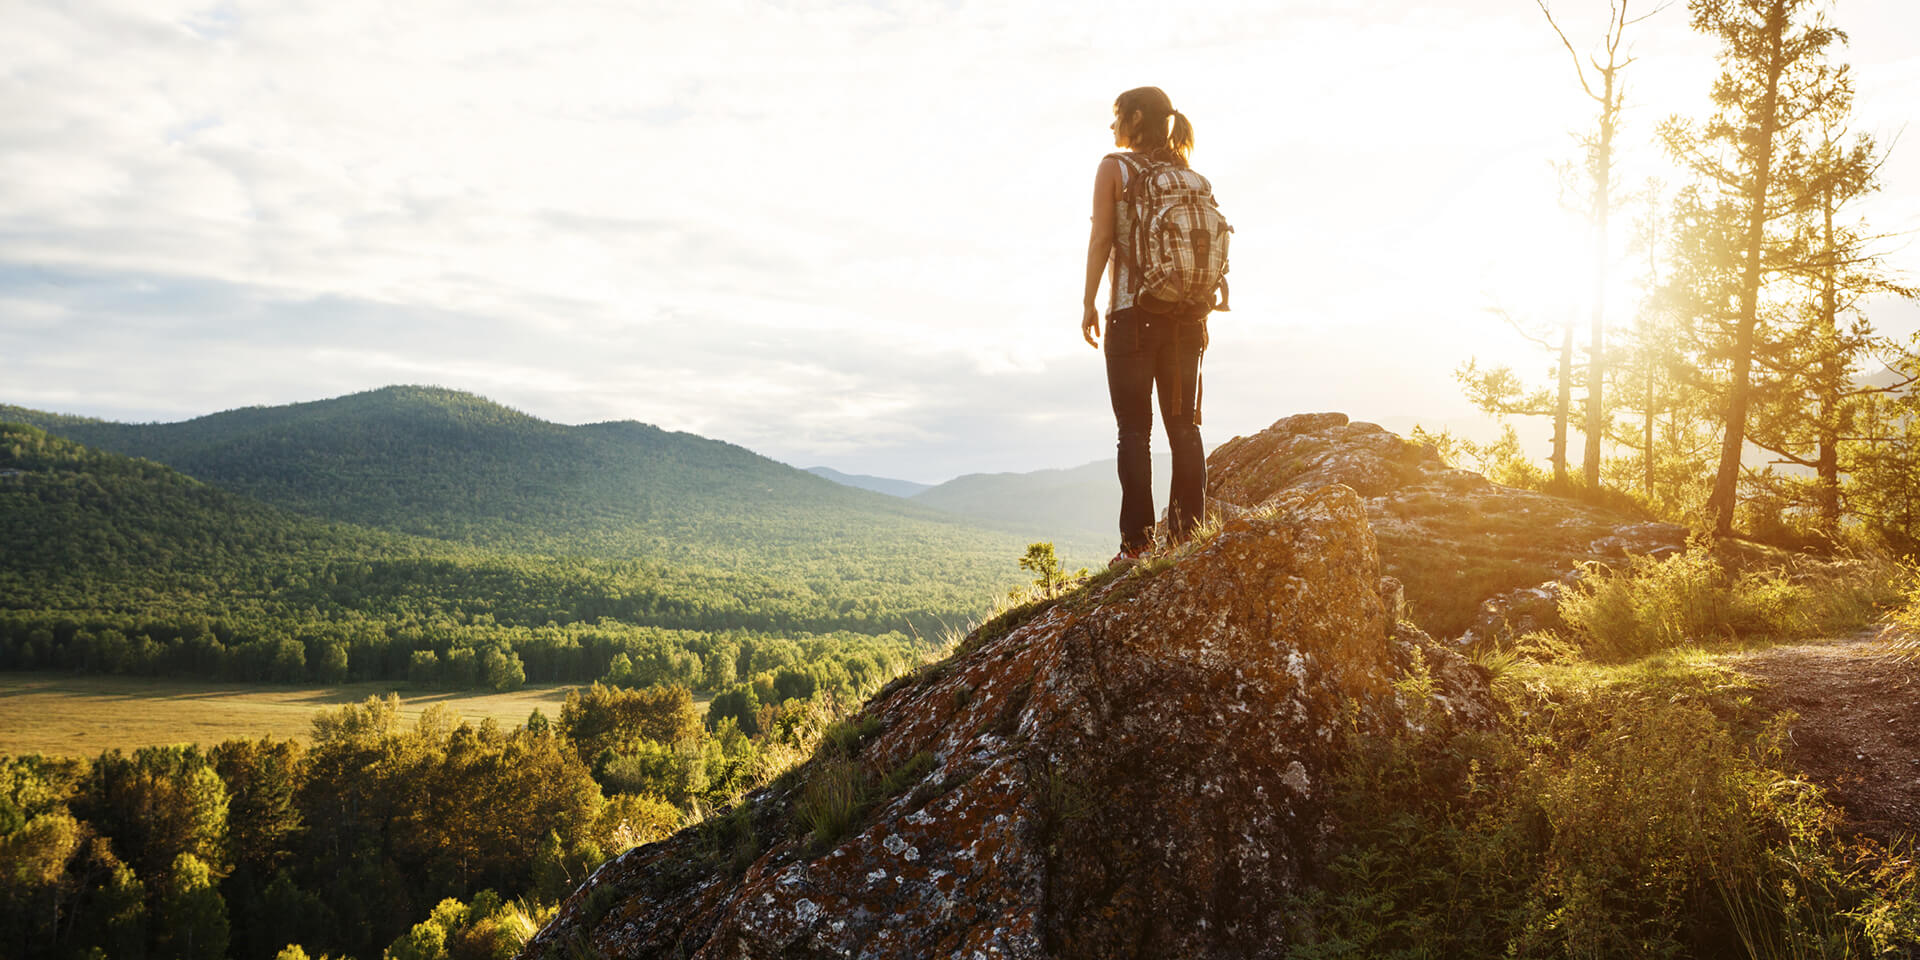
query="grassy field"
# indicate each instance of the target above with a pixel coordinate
(82, 715)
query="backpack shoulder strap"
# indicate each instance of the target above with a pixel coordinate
(1133, 167)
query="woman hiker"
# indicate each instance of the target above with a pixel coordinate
(1145, 351)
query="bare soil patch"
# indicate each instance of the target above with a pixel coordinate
(1858, 728)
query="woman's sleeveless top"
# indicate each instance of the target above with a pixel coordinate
(1120, 293)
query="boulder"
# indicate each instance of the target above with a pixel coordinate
(1138, 769)
(1479, 560)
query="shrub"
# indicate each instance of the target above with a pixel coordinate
(1650, 605)
(845, 736)
(1653, 605)
(676, 773)
(559, 867)
(1615, 811)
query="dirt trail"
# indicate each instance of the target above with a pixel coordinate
(1858, 732)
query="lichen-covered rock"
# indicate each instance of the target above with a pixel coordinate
(1518, 612)
(1310, 450)
(1140, 769)
(1476, 557)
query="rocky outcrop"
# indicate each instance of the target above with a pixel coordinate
(1139, 769)
(1478, 559)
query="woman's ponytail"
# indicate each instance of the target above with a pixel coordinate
(1182, 139)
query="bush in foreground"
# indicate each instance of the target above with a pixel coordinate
(1635, 810)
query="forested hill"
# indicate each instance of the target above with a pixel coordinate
(83, 531)
(100, 522)
(451, 465)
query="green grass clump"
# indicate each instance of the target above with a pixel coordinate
(833, 800)
(846, 736)
(731, 839)
(578, 945)
(1696, 598)
(908, 773)
(1631, 810)
(838, 790)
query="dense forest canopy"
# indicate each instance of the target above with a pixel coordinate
(440, 839)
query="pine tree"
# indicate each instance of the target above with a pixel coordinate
(1808, 417)
(1773, 85)
(1051, 576)
(1883, 488)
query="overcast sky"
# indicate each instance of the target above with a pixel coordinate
(837, 233)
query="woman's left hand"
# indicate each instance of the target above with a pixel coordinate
(1090, 326)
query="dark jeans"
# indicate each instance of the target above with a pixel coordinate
(1145, 351)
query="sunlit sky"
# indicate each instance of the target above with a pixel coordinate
(848, 234)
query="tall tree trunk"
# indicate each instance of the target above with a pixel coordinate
(1563, 406)
(1600, 168)
(1827, 495)
(1596, 351)
(1739, 390)
(1646, 437)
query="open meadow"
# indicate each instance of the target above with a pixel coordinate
(84, 714)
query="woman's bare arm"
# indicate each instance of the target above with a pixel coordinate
(1106, 190)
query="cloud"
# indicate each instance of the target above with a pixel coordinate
(828, 230)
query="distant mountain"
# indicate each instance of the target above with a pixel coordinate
(1078, 508)
(98, 532)
(441, 463)
(886, 485)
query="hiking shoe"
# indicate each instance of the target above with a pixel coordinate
(1127, 558)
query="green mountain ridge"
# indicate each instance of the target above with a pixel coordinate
(445, 464)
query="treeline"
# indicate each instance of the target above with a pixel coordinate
(435, 841)
(440, 653)
(1750, 340)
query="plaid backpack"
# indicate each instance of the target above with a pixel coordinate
(1179, 239)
